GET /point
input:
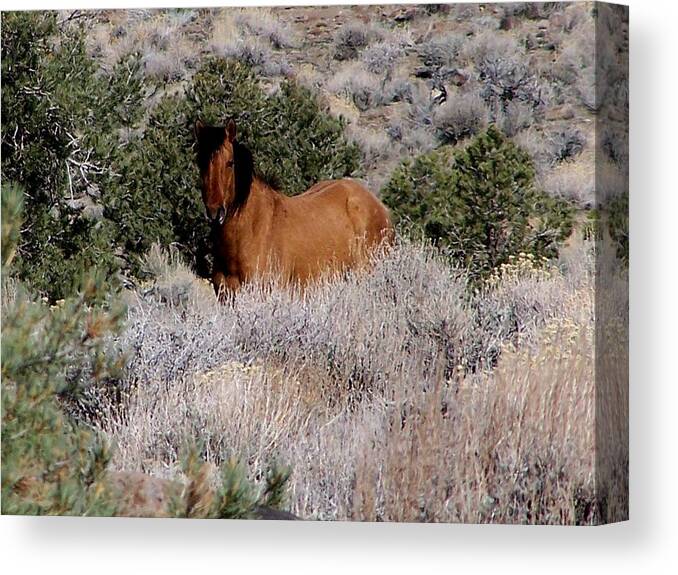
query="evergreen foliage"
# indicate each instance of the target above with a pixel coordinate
(60, 121)
(49, 465)
(234, 497)
(479, 203)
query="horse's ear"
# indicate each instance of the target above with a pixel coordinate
(230, 130)
(197, 128)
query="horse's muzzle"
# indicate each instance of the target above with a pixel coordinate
(218, 218)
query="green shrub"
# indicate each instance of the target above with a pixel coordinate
(235, 497)
(478, 203)
(49, 465)
(60, 121)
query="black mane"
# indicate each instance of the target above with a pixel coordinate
(210, 139)
(244, 173)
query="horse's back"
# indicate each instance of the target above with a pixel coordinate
(333, 225)
(319, 187)
(345, 191)
(332, 187)
(367, 216)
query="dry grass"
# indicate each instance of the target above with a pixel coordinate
(159, 37)
(461, 117)
(574, 67)
(242, 36)
(573, 181)
(365, 89)
(490, 45)
(265, 23)
(375, 145)
(352, 37)
(364, 385)
(382, 57)
(513, 447)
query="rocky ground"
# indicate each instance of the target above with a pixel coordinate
(405, 78)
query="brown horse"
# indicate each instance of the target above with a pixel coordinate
(257, 231)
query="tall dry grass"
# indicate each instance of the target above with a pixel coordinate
(365, 387)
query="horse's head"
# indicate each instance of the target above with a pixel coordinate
(226, 170)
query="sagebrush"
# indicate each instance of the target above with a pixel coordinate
(394, 395)
(55, 359)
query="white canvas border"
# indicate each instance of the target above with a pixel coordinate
(646, 543)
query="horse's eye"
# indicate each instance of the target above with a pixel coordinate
(229, 164)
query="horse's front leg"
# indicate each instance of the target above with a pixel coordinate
(225, 286)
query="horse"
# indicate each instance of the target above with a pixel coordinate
(258, 232)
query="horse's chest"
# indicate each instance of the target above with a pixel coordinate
(244, 252)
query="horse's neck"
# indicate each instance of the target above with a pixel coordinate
(254, 213)
(260, 201)
(262, 191)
